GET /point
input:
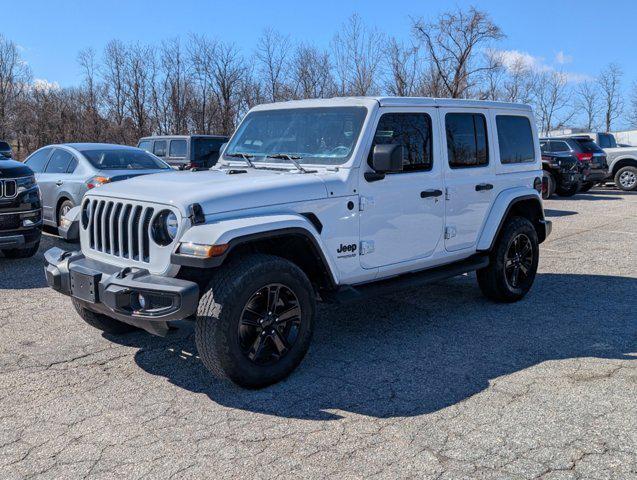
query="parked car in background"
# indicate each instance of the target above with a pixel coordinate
(66, 172)
(185, 151)
(20, 210)
(5, 150)
(590, 156)
(562, 174)
(621, 159)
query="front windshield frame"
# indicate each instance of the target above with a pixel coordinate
(88, 154)
(359, 116)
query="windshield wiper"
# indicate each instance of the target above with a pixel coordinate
(245, 156)
(291, 158)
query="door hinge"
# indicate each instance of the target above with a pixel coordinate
(367, 246)
(447, 194)
(365, 203)
(450, 232)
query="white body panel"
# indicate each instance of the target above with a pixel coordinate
(401, 231)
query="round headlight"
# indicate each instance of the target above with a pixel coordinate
(165, 228)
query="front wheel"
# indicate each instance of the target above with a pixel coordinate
(255, 320)
(626, 178)
(513, 262)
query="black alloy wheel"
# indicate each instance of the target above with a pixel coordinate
(518, 261)
(269, 324)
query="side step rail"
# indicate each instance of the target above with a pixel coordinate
(348, 293)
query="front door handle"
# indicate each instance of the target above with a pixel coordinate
(483, 186)
(59, 183)
(430, 193)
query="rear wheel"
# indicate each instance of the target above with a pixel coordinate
(255, 320)
(513, 262)
(567, 191)
(626, 178)
(102, 322)
(549, 188)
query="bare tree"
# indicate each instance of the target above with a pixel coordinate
(15, 76)
(90, 92)
(174, 94)
(113, 74)
(493, 77)
(272, 54)
(138, 83)
(311, 71)
(609, 82)
(588, 102)
(403, 69)
(520, 83)
(453, 44)
(358, 52)
(228, 72)
(633, 104)
(552, 99)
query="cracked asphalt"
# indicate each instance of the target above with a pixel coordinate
(433, 383)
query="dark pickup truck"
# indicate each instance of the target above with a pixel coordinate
(20, 210)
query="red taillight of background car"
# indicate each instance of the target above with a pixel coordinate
(584, 157)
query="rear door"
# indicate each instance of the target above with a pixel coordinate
(178, 151)
(52, 181)
(469, 174)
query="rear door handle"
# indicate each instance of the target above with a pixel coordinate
(483, 186)
(59, 183)
(430, 193)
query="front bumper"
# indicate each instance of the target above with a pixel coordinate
(20, 239)
(117, 292)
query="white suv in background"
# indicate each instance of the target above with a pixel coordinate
(315, 200)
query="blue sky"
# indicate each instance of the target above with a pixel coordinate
(578, 36)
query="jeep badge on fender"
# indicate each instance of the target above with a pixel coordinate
(270, 238)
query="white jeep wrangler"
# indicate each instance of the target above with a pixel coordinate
(316, 200)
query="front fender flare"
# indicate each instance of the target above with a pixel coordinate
(501, 207)
(238, 231)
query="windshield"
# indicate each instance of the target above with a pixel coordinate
(319, 136)
(123, 159)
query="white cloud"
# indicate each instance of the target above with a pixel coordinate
(561, 58)
(44, 85)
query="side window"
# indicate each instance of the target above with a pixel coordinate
(72, 165)
(560, 147)
(37, 161)
(159, 148)
(413, 131)
(146, 145)
(59, 161)
(467, 140)
(515, 139)
(177, 149)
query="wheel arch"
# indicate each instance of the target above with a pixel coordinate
(509, 204)
(623, 162)
(61, 199)
(293, 237)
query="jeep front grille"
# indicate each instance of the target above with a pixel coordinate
(118, 228)
(8, 189)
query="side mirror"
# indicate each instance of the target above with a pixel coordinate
(386, 158)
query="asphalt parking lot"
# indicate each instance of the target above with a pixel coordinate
(437, 383)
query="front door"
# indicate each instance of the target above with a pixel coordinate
(401, 216)
(469, 175)
(52, 180)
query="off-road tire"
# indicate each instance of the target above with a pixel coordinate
(550, 190)
(102, 322)
(22, 252)
(567, 191)
(220, 309)
(630, 172)
(492, 279)
(586, 186)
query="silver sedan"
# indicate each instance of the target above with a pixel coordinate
(65, 172)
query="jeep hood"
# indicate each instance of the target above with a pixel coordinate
(218, 191)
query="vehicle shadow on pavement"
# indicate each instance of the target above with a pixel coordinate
(25, 273)
(421, 351)
(558, 213)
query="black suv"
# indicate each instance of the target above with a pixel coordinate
(20, 210)
(591, 158)
(562, 174)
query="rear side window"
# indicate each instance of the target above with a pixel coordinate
(467, 140)
(413, 131)
(159, 148)
(72, 165)
(177, 149)
(560, 147)
(59, 162)
(146, 145)
(37, 161)
(607, 141)
(515, 138)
